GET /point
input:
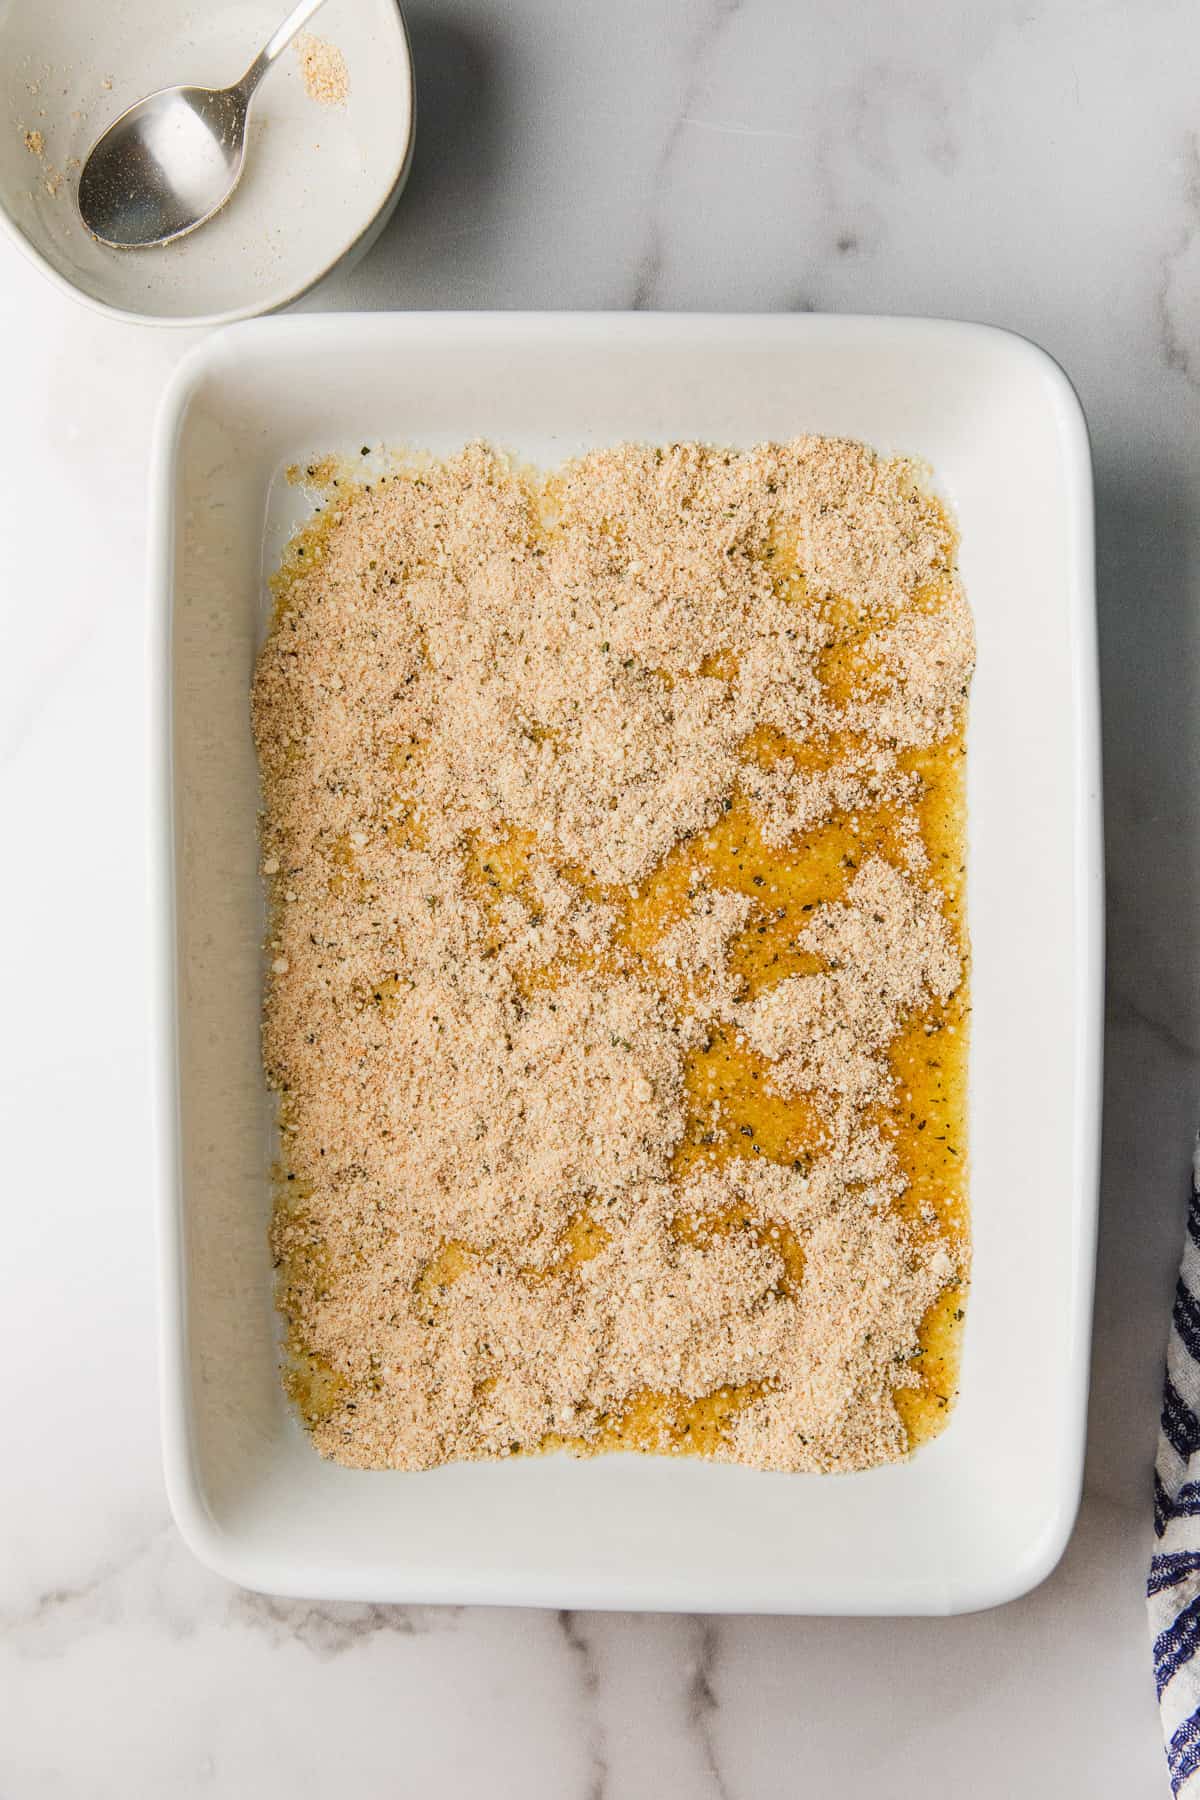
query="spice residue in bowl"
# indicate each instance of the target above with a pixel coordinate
(326, 78)
(52, 178)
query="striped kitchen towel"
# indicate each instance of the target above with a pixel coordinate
(1173, 1589)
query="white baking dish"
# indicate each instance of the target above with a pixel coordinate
(976, 1517)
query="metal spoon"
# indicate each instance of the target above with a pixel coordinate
(170, 162)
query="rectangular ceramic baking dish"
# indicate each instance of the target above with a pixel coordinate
(984, 1512)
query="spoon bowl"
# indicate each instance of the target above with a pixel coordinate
(165, 166)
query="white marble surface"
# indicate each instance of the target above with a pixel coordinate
(1030, 162)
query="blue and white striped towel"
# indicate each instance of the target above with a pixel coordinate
(1173, 1589)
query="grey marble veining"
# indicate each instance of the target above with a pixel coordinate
(1032, 164)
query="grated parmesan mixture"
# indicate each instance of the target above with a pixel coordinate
(502, 720)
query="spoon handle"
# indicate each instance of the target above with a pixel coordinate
(279, 40)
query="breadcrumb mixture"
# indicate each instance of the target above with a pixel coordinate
(326, 77)
(493, 713)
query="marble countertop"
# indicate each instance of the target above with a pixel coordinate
(1034, 163)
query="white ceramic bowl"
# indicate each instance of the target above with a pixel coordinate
(319, 184)
(973, 1518)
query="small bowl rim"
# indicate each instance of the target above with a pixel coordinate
(254, 309)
